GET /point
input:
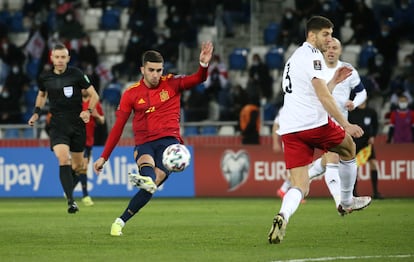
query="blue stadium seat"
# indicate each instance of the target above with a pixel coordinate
(16, 22)
(28, 133)
(11, 133)
(238, 59)
(209, 130)
(110, 19)
(271, 33)
(368, 51)
(5, 17)
(191, 131)
(32, 68)
(112, 94)
(274, 58)
(123, 3)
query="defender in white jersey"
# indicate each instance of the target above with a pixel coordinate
(329, 162)
(305, 125)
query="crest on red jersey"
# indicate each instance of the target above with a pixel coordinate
(164, 96)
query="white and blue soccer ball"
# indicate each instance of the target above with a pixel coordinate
(176, 157)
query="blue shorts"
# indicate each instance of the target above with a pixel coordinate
(155, 149)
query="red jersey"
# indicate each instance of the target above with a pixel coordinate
(156, 110)
(90, 126)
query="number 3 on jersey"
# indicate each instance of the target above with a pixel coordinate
(287, 83)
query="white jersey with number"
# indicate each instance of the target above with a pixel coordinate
(302, 109)
(342, 90)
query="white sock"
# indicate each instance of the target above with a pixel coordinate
(347, 175)
(316, 169)
(285, 186)
(120, 221)
(333, 182)
(290, 202)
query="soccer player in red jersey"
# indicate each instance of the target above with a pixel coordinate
(97, 117)
(155, 101)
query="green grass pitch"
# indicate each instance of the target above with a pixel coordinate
(204, 229)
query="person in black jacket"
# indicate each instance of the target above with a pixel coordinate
(367, 119)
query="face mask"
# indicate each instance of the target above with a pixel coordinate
(403, 105)
(5, 94)
(134, 39)
(15, 69)
(289, 15)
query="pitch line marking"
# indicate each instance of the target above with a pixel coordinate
(343, 258)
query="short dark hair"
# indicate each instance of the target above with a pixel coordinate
(317, 23)
(152, 56)
(59, 46)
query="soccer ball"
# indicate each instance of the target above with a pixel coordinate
(176, 157)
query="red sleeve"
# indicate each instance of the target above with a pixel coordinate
(191, 81)
(412, 117)
(115, 134)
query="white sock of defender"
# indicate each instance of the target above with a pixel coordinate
(332, 180)
(316, 169)
(120, 221)
(347, 174)
(291, 202)
(285, 186)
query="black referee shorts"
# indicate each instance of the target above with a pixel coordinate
(68, 131)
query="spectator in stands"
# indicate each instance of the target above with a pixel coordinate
(16, 82)
(130, 64)
(289, 29)
(379, 75)
(87, 53)
(383, 9)
(306, 8)
(403, 19)
(363, 23)
(387, 44)
(259, 74)
(70, 28)
(401, 128)
(239, 99)
(9, 107)
(332, 10)
(217, 78)
(167, 46)
(93, 77)
(10, 53)
(234, 11)
(250, 124)
(196, 105)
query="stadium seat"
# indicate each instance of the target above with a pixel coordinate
(5, 17)
(123, 3)
(28, 133)
(11, 133)
(209, 130)
(271, 33)
(16, 23)
(110, 19)
(368, 51)
(112, 94)
(274, 58)
(238, 59)
(191, 131)
(32, 68)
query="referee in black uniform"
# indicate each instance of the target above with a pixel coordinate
(63, 87)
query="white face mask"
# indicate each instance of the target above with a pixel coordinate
(403, 105)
